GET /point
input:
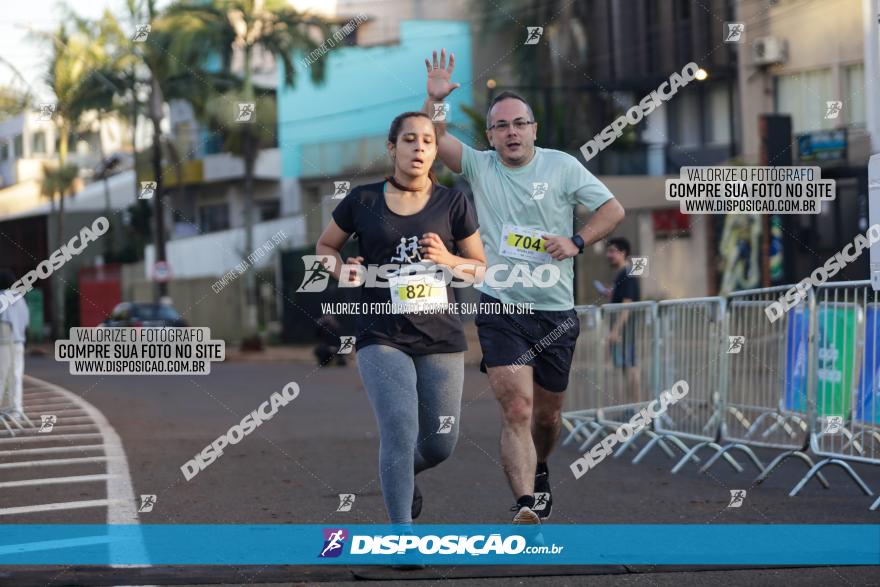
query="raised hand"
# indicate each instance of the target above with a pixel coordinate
(440, 75)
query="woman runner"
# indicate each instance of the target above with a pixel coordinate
(411, 361)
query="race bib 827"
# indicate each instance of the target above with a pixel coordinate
(412, 294)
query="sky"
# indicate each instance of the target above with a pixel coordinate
(30, 58)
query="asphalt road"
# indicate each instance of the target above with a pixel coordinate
(292, 468)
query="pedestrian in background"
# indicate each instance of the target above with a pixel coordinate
(18, 317)
(622, 337)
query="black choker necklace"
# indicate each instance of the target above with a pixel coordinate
(390, 179)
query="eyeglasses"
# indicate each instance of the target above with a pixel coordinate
(518, 124)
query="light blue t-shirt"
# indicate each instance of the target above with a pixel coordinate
(540, 195)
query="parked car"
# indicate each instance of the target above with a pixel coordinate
(144, 314)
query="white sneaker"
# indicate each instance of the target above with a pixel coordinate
(526, 515)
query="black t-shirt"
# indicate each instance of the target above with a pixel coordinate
(625, 287)
(385, 237)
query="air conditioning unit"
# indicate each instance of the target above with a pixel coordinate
(769, 51)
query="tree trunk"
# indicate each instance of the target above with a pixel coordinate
(108, 209)
(59, 322)
(156, 102)
(250, 143)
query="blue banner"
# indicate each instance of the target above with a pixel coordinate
(868, 408)
(637, 544)
(796, 359)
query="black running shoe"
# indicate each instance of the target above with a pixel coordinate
(416, 502)
(543, 497)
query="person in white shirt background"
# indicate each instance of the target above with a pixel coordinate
(18, 318)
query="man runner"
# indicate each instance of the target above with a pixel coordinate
(525, 198)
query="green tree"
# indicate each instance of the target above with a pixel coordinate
(73, 56)
(208, 31)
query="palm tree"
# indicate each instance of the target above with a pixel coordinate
(166, 79)
(104, 87)
(220, 28)
(73, 56)
(543, 69)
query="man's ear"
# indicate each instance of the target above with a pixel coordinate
(489, 138)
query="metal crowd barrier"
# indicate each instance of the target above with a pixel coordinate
(629, 366)
(612, 379)
(843, 379)
(807, 382)
(766, 403)
(585, 380)
(692, 346)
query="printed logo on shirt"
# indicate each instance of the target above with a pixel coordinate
(407, 251)
(539, 189)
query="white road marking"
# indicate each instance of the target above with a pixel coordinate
(55, 462)
(48, 406)
(51, 450)
(69, 419)
(59, 413)
(57, 427)
(45, 437)
(120, 492)
(54, 480)
(53, 507)
(43, 396)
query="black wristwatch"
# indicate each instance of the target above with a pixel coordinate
(578, 242)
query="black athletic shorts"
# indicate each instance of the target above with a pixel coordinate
(544, 340)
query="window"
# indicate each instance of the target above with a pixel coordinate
(687, 120)
(17, 147)
(38, 143)
(854, 95)
(4, 151)
(719, 113)
(804, 96)
(268, 210)
(213, 217)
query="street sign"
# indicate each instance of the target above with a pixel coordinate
(162, 272)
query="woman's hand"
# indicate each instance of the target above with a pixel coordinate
(434, 250)
(353, 276)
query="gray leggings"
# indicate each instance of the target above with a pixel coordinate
(411, 395)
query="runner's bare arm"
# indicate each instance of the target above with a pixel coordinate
(330, 243)
(601, 223)
(439, 86)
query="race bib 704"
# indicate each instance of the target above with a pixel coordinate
(527, 244)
